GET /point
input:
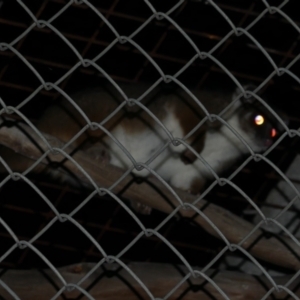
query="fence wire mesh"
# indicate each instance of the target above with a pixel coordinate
(244, 244)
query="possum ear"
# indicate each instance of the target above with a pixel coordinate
(248, 87)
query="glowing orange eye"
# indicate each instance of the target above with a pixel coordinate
(259, 120)
(273, 132)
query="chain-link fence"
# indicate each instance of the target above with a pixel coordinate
(50, 49)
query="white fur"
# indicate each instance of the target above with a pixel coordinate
(222, 147)
(143, 144)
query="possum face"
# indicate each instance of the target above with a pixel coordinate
(260, 128)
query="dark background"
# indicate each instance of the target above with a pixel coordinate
(106, 221)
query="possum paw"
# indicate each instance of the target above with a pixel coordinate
(98, 153)
(141, 208)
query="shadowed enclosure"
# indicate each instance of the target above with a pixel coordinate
(231, 242)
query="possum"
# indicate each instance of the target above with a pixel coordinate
(148, 128)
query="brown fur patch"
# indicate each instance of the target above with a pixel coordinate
(197, 186)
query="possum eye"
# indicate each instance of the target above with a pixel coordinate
(259, 120)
